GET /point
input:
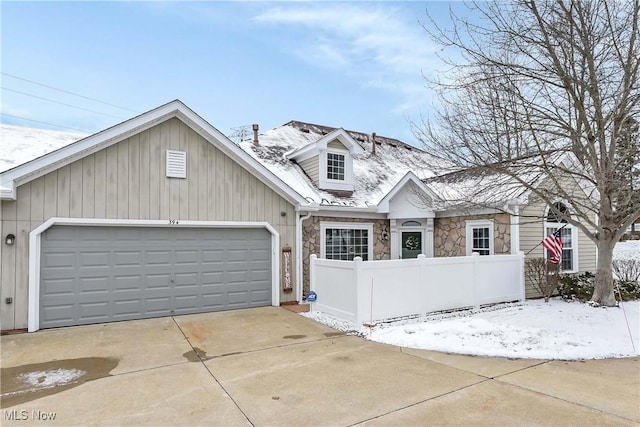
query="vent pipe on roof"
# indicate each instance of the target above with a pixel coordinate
(255, 128)
(373, 143)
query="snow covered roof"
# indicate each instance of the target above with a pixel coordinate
(476, 187)
(374, 175)
(20, 145)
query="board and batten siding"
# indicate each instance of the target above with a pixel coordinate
(532, 232)
(311, 167)
(128, 181)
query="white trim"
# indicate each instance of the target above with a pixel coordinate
(307, 151)
(347, 226)
(515, 231)
(384, 204)
(36, 235)
(324, 183)
(478, 223)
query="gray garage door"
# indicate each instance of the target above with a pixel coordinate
(104, 274)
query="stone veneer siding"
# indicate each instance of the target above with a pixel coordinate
(449, 237)
(311, 240)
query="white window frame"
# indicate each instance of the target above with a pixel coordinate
(345, 184)
(344, 166)
(346, 226)
(470, 225)
(574, 237)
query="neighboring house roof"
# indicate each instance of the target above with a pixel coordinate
(511, 183)
(66, 154)
(22, 144)
(476, 187)
(374, 175)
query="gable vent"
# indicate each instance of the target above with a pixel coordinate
(176, 164)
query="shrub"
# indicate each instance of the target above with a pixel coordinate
(577, 286)
(627, 289)
(580, 287)
(542, 275)
(627, 269)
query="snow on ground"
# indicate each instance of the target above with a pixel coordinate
(628, 249)
(533, 329)
(51, 377)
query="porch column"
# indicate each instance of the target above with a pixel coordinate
(428, 239)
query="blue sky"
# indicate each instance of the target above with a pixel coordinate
(357, 65)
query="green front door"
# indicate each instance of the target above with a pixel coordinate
(411, 244)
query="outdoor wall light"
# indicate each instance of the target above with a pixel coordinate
(10, 239)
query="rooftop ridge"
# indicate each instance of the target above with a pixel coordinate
(357, 135)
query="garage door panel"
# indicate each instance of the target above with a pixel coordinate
(60, 315)
(157, 258)
(62, 286)
(260, 296)
(58, 260)
(95, 259)
(99, 274)
(93, 285)
(94, 311)
(158, 281)
(127, 258)
(158, 305)
(127, 283)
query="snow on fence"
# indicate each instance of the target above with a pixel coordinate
(363, 291)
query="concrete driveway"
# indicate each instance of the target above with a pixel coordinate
(270, 366)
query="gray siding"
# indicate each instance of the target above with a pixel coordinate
(127, 181)
(311, 167)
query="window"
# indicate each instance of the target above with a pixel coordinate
(346, 241)
(554, 220)
(479, 236)
(335, 166)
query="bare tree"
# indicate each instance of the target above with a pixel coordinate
(546, 95)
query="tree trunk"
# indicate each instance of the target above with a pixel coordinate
(603, 290)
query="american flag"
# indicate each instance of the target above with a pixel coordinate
(553, 243)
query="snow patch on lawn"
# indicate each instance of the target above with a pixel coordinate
(533, 329)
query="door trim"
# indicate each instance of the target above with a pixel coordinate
(36, 235)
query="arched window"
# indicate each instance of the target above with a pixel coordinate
(555, 219)
(558, 214)
(411, 224)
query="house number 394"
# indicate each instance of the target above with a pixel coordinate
(173, 221)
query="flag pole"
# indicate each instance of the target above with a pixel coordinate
(534, 248)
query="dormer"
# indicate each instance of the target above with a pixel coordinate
(329, 161)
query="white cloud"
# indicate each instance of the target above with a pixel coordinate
(378, 45)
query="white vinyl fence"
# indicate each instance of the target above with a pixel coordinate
(364, 291)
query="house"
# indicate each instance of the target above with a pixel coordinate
(376, 198)
(158, 215)
(163, 215)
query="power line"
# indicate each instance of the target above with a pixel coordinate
(61, 103)
(44, 123)
(67, 92)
